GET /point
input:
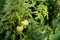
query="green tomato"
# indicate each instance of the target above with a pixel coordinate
(19, 29)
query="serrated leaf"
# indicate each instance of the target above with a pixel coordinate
(7, 6)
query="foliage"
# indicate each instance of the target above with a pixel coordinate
(29, 19)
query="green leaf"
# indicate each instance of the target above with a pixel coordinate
(58, 25)
(7, 6)
(36, 36)
(46, 34)
(56, 36)
(1, 23)
(13, 37)
(54, 22)
(1, 16)
(8, 33)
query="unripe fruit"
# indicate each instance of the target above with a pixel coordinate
(19, 29)
(25, 22)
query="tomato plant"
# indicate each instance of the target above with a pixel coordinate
(29, 19)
